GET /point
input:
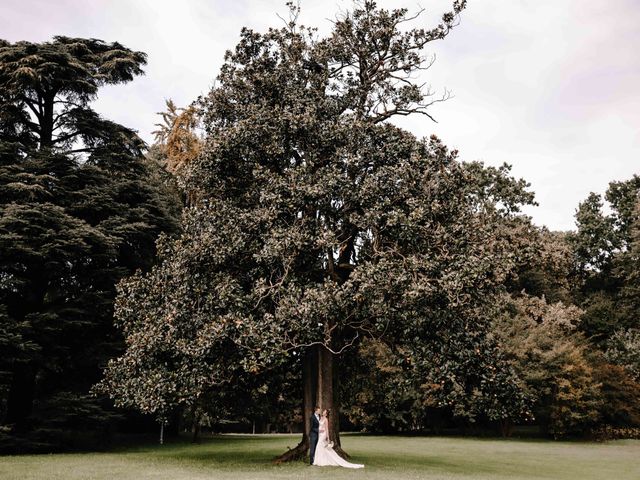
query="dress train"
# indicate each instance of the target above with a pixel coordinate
(326, 455)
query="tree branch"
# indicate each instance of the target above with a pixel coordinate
(64, 138)
(32, 107)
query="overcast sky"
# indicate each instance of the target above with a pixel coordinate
(549, 86)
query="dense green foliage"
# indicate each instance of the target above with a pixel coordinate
(606, 251)
(551, 358)
(80, 207)
(318, 224)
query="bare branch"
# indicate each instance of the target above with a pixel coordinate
(323, 344)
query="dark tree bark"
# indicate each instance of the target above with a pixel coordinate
(46, 122)
(309, 380)
(320, 383)
(326, 398)
(195, 432)
(325, 392)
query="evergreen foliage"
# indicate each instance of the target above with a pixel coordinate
(77, 212)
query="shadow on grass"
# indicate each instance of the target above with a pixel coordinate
(228, 452)
(239, 457)
(216, 450)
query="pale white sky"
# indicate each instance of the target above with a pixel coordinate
(549, 86)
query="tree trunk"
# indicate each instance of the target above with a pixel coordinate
(326, 398)
(319, 386)
(309, 379)
(46, 122)
(195, 432)
(506, 427)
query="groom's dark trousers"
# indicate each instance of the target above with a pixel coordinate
(313, 437)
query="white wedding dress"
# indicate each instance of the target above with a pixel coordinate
(325, 455)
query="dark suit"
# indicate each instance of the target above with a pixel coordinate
(313, 437)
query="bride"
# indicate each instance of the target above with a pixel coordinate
(325, 455)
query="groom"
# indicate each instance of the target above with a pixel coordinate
(313, 433)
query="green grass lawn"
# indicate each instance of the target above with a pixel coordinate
(241, 457)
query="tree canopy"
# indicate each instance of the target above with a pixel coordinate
(319, 224)
(47, 87)
(80, 207)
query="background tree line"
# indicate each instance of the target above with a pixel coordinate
(322, 255)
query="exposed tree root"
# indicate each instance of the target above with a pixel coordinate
(299, 452)
(338, 449)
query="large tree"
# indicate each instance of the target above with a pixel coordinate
(605, 253)
(47, 88)
(319, 223)
(80, 207)
(551, 356)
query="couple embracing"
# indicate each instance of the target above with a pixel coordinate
(321, 449)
